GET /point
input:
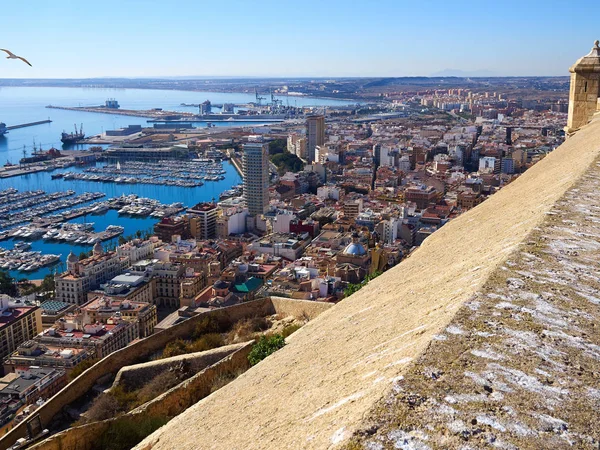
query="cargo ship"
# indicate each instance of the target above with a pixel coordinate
(72, 138)
(3, 129)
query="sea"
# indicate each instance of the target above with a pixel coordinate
(28, 104)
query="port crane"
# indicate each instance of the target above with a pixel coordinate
(259, 99)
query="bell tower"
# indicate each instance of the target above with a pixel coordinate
(585, 89)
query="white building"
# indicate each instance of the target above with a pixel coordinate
(487, 164)
(82, 276)
(137, 249)
(328, 192)
(390, 230)
(296, 144)
(232, 221)
(404, 164)
(281, 222)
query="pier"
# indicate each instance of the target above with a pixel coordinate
(174, 117)
(30, 124)
(238, 165)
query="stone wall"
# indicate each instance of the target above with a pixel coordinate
(181, 397)
(299, 309)
(141, 350)
(169, 404)
(132, 377)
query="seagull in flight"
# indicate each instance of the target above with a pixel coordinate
(11, 55)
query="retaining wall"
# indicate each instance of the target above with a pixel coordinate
(132, 377)
(139, 351)
(169, 404)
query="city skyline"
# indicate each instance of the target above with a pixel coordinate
(313, 39)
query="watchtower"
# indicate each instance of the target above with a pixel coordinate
(585, 89)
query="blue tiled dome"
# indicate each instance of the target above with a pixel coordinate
(356, 249)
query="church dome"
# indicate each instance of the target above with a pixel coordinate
(72, 258)
(220, 284)
(356, 249)
(98, 250)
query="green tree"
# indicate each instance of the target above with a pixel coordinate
(81, 367)
(287, 162)
(354, 287)
(122, 240)
(277, 146)
(174, 348)
(48, 284)
(7, 284)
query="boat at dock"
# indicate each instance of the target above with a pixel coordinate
(22, 259)
(72, 138)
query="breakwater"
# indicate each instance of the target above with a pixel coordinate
(30, 124)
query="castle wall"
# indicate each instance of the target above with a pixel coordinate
(139, 351)
(133, 377)
(169, 404)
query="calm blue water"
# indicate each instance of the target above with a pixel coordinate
(27, 104)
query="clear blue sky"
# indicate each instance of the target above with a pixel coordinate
(71, 39)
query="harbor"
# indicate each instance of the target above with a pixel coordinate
(132, 206)
(58, 228)
(15, 213)
(17, 179)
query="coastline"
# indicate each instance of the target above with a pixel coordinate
(180, 89)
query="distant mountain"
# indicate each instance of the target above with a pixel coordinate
(464, 73)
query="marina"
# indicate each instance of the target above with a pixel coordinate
(144, 207)
(131, 180)
(131, 204)
(21, 258)
(18, 215)
(188, 174)
(161, 172)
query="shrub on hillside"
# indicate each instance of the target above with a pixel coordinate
(175, 348)
(127, 433)
(206, 342)
(264, 347)
(206, 324)
(111, 404)
(158, 385)
(81, 367)
(290, 329)
(245, 329)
